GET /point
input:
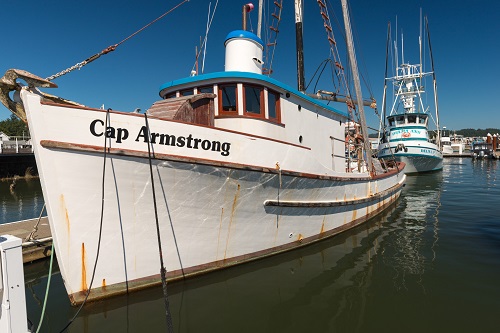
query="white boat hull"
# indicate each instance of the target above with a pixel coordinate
(212, 211)
(418, 156)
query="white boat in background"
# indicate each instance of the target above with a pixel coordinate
(228, 167)
(458, 144)
(446, 147)
(406, 135)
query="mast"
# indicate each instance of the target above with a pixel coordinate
(259, 20)
(357, 86)
(420, 43)
(438, 139)
(384, 96)
(299, 45)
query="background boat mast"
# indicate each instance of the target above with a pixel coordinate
(438, 139)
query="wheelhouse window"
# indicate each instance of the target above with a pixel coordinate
(206, 90)
(400, 120)
(228, 98)
(412, 119)
(254, 97)
(422, 119)
(273, 105)
(187, 92)
(170, 95)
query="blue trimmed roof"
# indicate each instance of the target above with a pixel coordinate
(409, 114)
(227, 76)
(243, 34)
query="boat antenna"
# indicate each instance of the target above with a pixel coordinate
(420, 43)
(204, 43)
(357, 86)
(209, 24)
(396, 58)
(434, 82)
(402, 48)
(111, 47)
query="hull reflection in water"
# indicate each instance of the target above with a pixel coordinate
(327, 281)
(414, 234)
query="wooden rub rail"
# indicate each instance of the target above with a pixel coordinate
(39, 246)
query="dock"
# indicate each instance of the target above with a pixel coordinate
(458, 155)
(36, 236)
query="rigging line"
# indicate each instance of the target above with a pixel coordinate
(100, 227)
(153, 22)
(48, 287)
(163, 271)
(329, 61)
(323, 63)
(111, 47)
(363, 63)
(203, 44)
(316, 72)
(31, 236)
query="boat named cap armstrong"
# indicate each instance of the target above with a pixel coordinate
(243, 167)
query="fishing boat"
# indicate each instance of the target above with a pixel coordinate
(481, 149)
(225, 168)
(406, 134)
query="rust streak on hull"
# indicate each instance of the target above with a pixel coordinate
(84, 286)
(175, 275)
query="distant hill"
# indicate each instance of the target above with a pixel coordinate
(467, 132)
(470, 132)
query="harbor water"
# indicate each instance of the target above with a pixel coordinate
(431, 263)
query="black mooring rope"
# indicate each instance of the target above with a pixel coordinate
(163, 271)
(100, 227)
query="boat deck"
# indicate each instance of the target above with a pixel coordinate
(39, 246)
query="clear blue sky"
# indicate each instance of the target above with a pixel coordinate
(45, 37)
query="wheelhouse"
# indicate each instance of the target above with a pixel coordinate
(408, 119)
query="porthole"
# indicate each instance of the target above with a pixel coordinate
(300, 138)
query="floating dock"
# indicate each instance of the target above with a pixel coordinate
(36, 236)
(458, 155)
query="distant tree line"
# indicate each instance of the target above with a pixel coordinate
(14, 126)
(470, 132)
(467, 132)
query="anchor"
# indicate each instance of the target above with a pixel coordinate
(8, 84)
